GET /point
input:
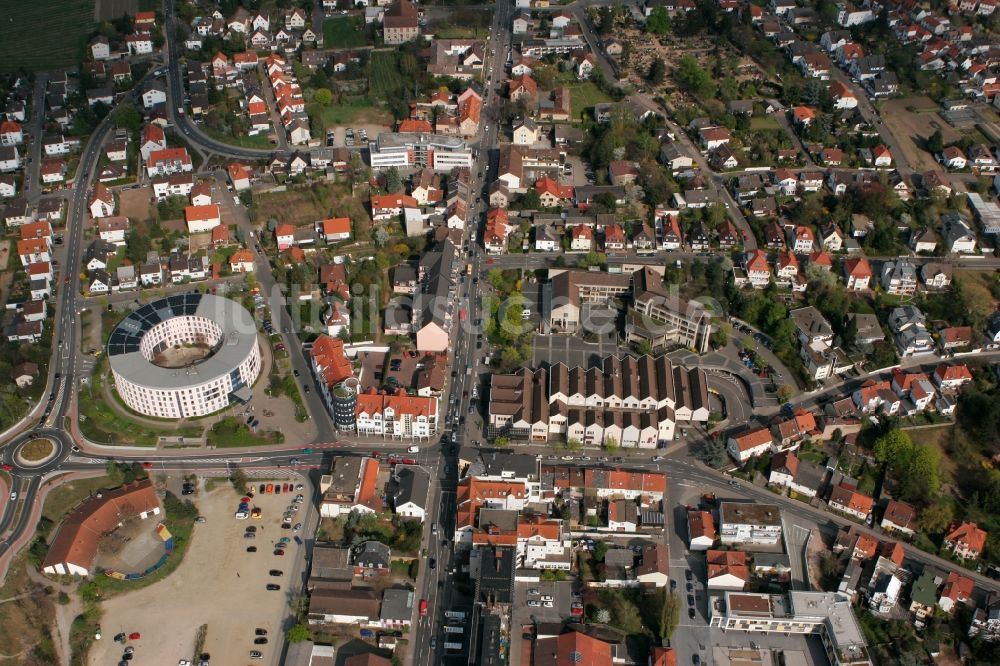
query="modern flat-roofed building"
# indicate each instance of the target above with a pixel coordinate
(749, 523)
(437, 151)
(826, 614)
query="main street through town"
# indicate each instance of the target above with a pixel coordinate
(54, 417)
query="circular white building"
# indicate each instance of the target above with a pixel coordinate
(185, 356)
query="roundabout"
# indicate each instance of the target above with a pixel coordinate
(36, 453)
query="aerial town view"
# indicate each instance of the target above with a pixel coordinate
(500, 332)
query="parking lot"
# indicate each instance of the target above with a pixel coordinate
(219, 584)
(545, 601)
(573, 350)
(338, 136)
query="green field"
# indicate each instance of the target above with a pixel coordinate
(65, 25)
(359, 110)
(585, 95)
(256, 141)
(344, 32)
(764, 123)
(384, 78)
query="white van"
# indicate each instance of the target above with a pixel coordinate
(413, 449)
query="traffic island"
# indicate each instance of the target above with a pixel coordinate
(36, 452)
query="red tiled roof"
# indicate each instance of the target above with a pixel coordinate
(757, 262)
(201, 213)
(858, 267)
(328, 355)
(410, 125)
(969, 535)
(753, 438)
(958, 587)
(80, 532)
(337, 225)
(851, 499)
(700, 523)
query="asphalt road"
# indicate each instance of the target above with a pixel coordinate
(435, 585)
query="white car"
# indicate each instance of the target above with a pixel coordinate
(533, 603)
(546, 597)
(548, 604)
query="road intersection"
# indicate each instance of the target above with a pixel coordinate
(74, 454)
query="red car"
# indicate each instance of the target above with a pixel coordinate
(279, 552)
(134, 636)
(490, 262)
(147, 465)
(66, 280)
(8, 468)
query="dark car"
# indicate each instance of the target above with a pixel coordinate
(276, 572)
(432, 563)
(260, 632)
(279, 552)
(691, 613)
(260, 641)
(272, 586)
(251, 549)
(687, 575)
(690, 600)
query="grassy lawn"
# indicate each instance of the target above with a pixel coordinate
(360, 110)
(37, 449)
(384, 79)
(229, 433)
(60, 500)
(344, 32)
(764, 123)
(100, 422)
(938, 438)
(256, 141)
(65, 24)
(584, 95)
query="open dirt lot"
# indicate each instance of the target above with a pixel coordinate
(912, 129)
(135, 203)
(219, 584)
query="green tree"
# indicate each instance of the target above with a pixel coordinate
(937, 517)
(600, 551)
(785, 392)
(502, 442)
(692, 77)
(128, 117)
(894, 448)
(935, 142)
(573, 444)
(659, 22)
(323, 97)
(393, 182)
(670, 615)
(610, 444)
(530, 200)
(657, 71)
(298, 634)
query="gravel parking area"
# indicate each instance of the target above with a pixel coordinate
(219, 584)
